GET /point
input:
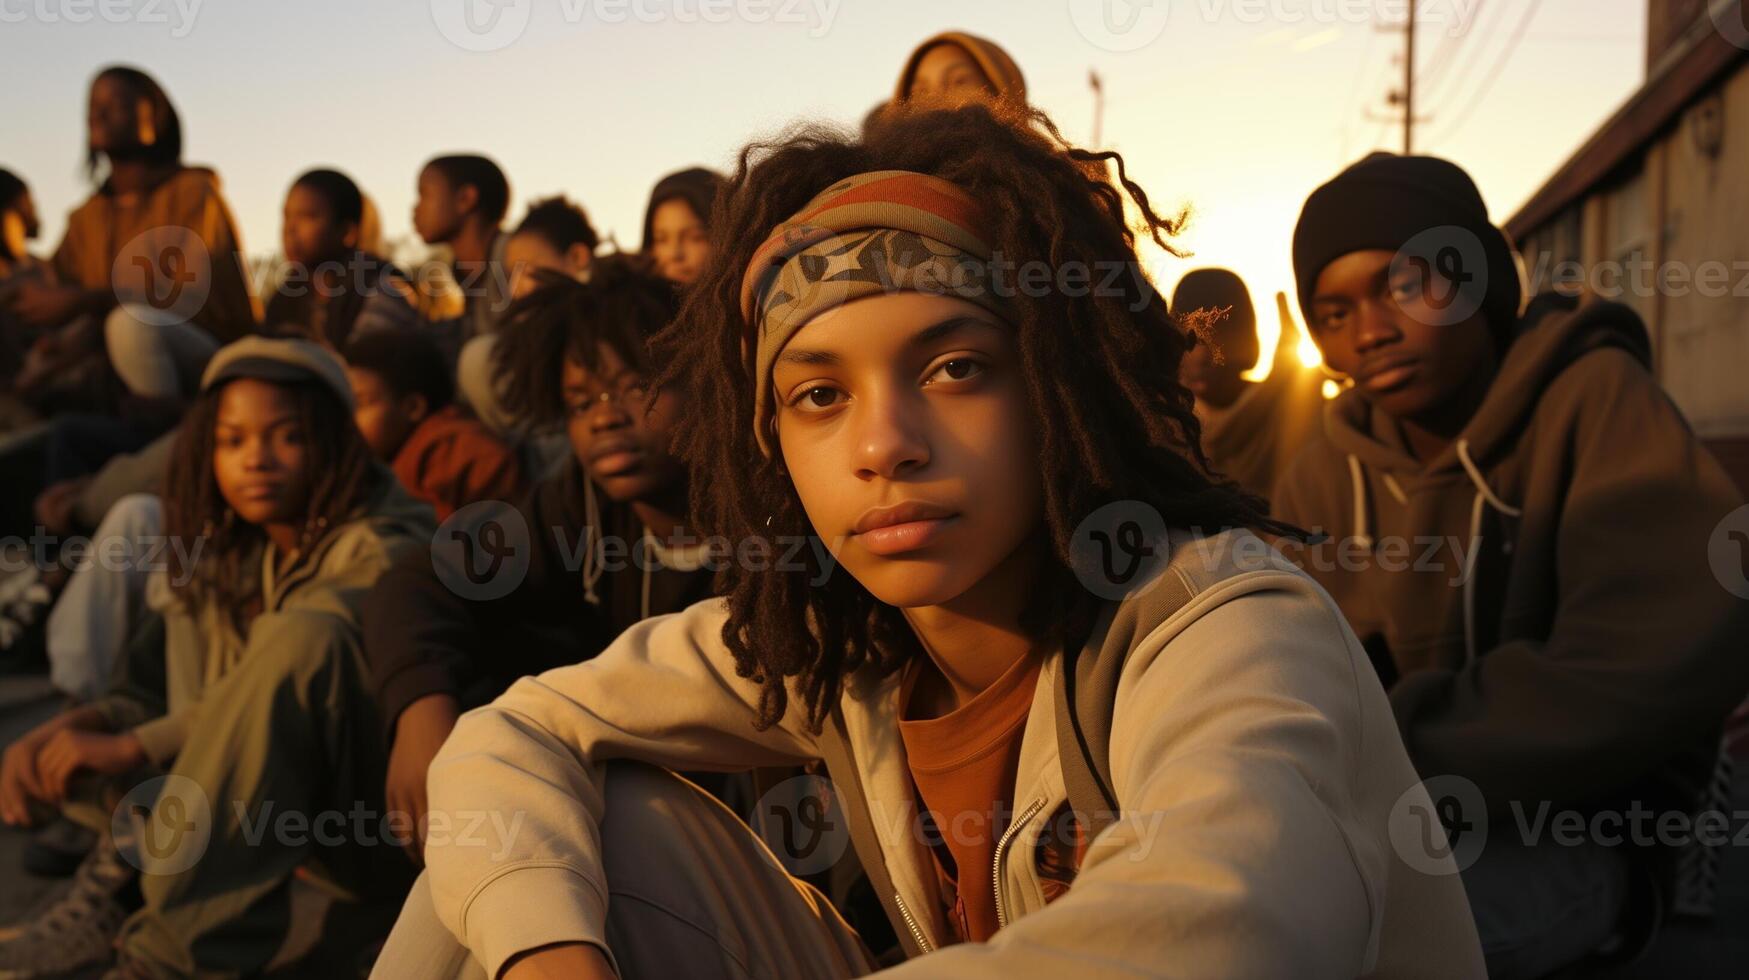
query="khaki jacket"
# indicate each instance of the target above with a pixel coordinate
(1254, 758)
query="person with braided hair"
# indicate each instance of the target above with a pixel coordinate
(246, 689)
(929, 351)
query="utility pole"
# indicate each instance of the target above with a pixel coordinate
(1098, 87)
(1409, 83)
(1403, 98)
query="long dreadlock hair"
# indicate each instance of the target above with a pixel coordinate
(622, 305)
(224, 570)
(1101, 370)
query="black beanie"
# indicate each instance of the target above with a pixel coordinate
(1384, 202)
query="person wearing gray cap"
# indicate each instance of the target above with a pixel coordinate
(285, 520)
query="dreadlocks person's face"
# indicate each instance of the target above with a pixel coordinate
(1374, 324)
(947, 75)
(117, 119)
(619, 432)
(310, 232)
(441, 207)
(261, 453)
(678, 241)
(902, 419)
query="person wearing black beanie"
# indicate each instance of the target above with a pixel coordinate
(1515, 520)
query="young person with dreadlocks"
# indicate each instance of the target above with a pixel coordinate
(605, 537)
(263, 708)
(151, 216)
(894, 374)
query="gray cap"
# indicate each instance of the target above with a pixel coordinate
(278, 359)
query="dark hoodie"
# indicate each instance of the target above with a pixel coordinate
(1538, 598)
(422, 638)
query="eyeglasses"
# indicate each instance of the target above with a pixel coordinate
(630, 392)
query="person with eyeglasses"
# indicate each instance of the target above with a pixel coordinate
(607, 541)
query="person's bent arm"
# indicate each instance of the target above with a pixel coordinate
(525, 773)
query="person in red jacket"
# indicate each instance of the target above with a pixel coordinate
(441, 454)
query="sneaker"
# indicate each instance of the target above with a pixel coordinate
(78, 931)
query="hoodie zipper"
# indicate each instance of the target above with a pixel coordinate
(1001, 850)
(910, 923)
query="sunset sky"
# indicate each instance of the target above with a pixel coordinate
(1237, 108)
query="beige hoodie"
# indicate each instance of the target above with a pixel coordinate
(1253, 754)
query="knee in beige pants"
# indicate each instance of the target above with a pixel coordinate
(692, 892)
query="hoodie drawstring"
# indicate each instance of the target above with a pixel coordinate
(1359, 479)
(592, 571)
(1485, 496)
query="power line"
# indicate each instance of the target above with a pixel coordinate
(1450, 48)
(1481, 33)
(1493, 76)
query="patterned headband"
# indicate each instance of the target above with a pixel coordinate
(881, 232)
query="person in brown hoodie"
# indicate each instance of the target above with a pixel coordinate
(954, 67)
(405, 411)
(1251, 430)
(154, 251)
(1518, 522)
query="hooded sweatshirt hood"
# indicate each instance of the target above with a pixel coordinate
(992, 60)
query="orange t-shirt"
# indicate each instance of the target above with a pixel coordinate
(964, 765)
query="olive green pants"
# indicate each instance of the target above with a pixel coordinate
(281, 776)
